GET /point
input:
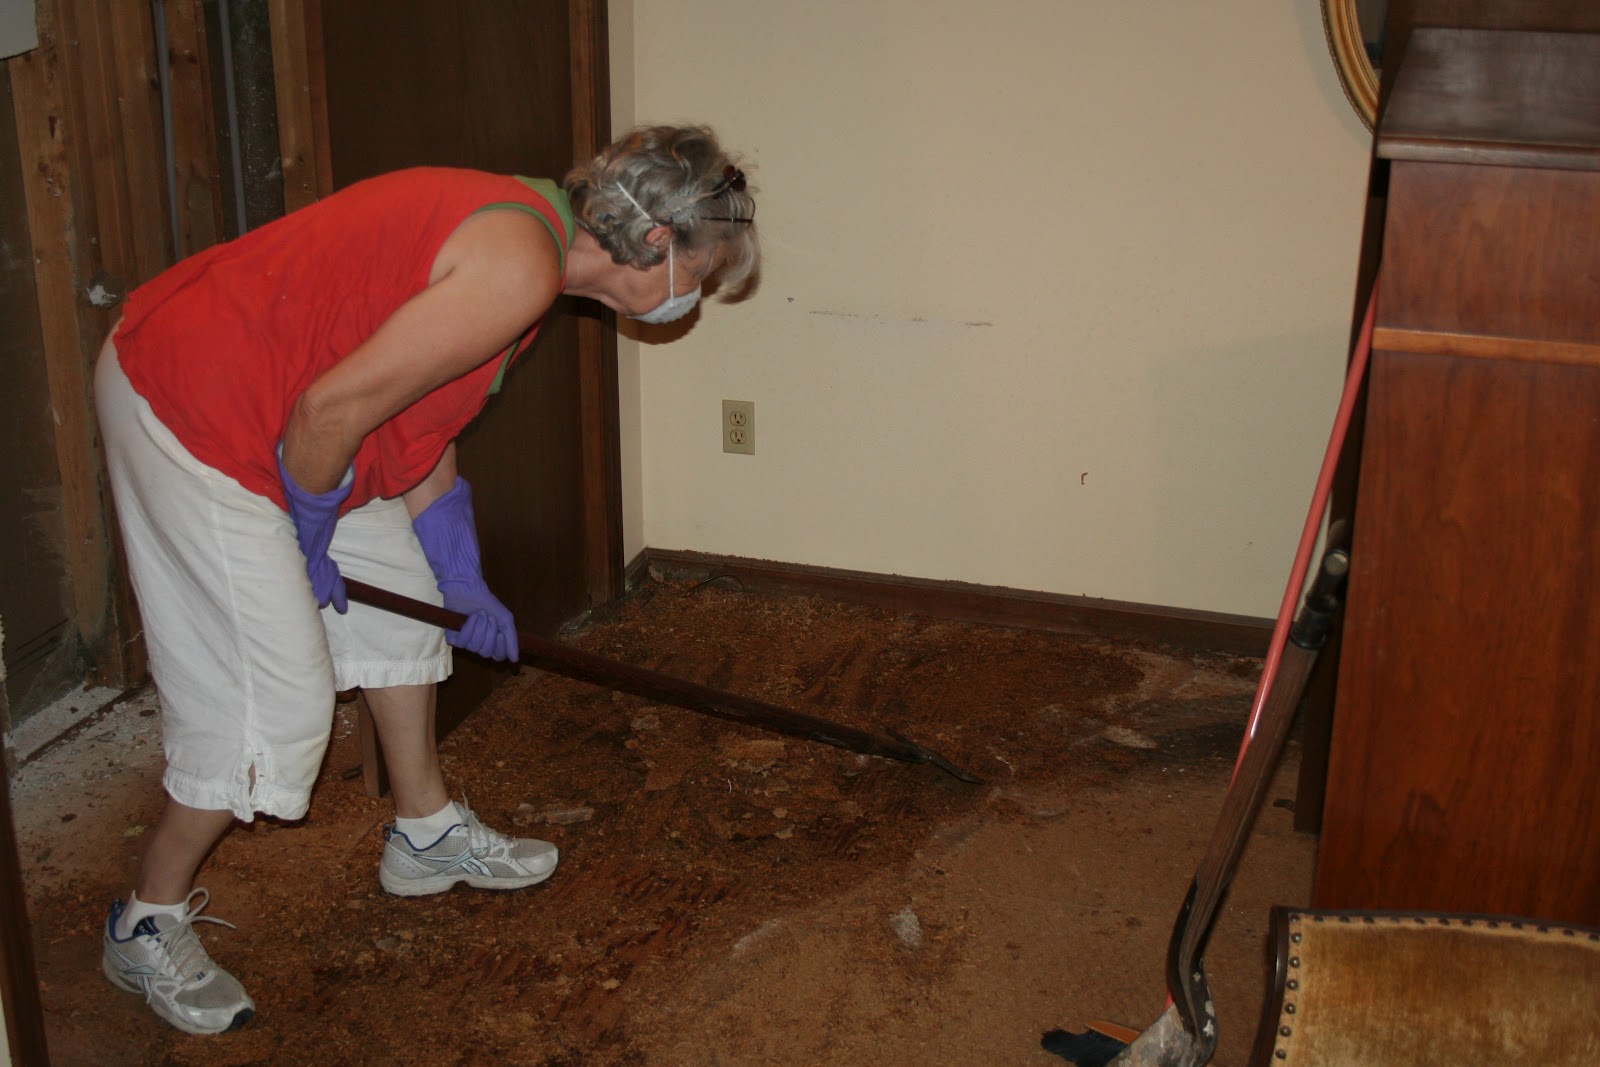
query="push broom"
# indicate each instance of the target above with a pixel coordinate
(1185, 1034)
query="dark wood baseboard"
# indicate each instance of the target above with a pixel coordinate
(1197, 631)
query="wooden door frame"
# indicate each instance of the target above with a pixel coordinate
(89, 132)
(600, 418)
(19, 982)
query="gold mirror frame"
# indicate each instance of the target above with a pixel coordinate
(1346, 41)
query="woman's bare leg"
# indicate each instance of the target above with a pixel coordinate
(404, 717)
(180, 843)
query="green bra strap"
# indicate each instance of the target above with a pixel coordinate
(557, 198)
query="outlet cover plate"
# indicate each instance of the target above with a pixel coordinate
(739, 427)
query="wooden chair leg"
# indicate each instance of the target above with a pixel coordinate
(374, 777)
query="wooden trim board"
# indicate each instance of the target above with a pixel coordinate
(599, 419)
(1198, 631)
(297, 74)
(19, 981)
(19, 984)
(1483, 346)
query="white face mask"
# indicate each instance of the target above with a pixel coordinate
(672, 308)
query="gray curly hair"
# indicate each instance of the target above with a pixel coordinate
(677, 176)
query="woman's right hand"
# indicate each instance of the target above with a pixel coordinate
(314, 516)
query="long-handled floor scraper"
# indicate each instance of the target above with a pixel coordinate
(576, 663)
(1185, 1035)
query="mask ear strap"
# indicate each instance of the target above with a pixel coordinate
(637, 206)
(679, 217)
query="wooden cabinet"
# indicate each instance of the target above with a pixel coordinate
(1464, 772)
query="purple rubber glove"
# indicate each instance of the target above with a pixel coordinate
(449, 537)
(314, 517)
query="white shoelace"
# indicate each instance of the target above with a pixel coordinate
(482, 840)
(181, 950)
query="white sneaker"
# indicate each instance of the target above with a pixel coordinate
(468, 852)
(164, 960)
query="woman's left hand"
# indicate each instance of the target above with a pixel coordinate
(490, 629)
(449, 537)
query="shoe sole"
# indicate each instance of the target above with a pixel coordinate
(240, 1018)
(425, 887)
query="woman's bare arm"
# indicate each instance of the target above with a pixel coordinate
(495, 276)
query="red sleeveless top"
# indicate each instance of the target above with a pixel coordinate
(223, 342)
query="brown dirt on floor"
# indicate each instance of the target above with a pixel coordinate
(725, 896)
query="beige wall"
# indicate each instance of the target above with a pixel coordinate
(1055, 294)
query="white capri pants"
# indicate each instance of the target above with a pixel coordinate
(246, 665)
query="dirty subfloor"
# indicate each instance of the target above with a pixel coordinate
(725, 896)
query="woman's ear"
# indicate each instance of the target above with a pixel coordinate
(659, 236)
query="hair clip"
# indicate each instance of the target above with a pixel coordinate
(732, 179)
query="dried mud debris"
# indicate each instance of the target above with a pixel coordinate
(685, 839)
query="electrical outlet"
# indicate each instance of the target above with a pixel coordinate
(739, 427)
